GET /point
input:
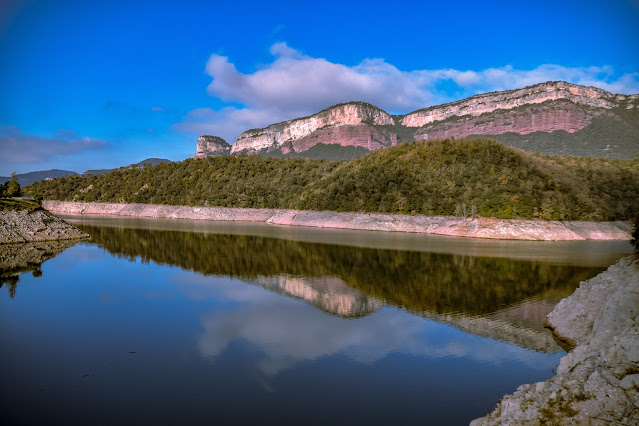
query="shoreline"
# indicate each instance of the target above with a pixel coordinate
(597, 382)
(491, 228)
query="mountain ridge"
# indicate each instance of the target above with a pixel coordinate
(532, 113)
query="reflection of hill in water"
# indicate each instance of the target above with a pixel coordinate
(486, 296)
(24, 257)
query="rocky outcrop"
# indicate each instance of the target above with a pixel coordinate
(536, 111)
(509, 229)
(21, 226)
(212, 146)
(288, 132)
(597, 383)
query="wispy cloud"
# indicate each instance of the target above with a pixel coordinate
(295, 84)
(18, 147)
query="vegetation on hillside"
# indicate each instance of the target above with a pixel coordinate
(463, 177)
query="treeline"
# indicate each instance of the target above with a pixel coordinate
(463, 177)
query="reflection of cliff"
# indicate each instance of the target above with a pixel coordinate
(417, 281)
(24, 257)
(327, 293)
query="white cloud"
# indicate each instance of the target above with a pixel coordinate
(295, 85)
(18, 147)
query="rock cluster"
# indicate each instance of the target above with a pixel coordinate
(21, 226)
(597, 383)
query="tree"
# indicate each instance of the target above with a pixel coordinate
(13, 187)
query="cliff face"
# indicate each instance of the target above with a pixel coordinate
(547, 117)
(525, 117)
(212, 146)
(327, 122)
(540, 93)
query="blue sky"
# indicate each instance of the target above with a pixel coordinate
(101, 84)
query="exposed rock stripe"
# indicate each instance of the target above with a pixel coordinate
(511, 229)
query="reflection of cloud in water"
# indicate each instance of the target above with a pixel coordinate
(287, 331)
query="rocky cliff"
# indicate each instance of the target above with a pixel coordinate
(552, 118)
(537, 94)
(294, 135)
(212, 146)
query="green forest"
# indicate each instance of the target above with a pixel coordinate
(461, 177)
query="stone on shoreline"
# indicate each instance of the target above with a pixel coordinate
(597, 382)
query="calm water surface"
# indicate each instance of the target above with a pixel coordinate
(180, 322)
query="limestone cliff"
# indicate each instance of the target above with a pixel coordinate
(537, 94)
(293, 135)
(552, 117)
(212, 146)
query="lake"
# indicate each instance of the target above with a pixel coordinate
(186, 322)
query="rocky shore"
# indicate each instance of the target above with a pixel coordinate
(597, 382)
(510, 229)
(22, 226)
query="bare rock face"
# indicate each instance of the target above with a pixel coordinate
(362, 135)
(537, 94)
(548, 117)
(290, 132)
(212, 146)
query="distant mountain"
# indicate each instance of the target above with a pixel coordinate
(30, 177)
(141, 164)
(552, 118)
(152, 162)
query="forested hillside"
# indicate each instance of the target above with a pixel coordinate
(451, 177)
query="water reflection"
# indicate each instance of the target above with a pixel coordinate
(167, 327)
(286, 333)
(500, 298)
(16, 259)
